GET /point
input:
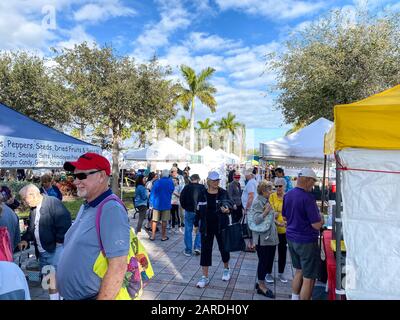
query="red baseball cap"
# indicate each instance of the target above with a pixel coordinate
(89, 161)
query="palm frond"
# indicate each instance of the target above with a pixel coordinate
(190, 76)
(183, 97)
(208, 100)
(204, 74)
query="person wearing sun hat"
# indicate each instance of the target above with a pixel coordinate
(304, 222)
(212, 211)
(76, 279)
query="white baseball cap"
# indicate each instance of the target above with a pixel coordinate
(307, 172)
(213, 175)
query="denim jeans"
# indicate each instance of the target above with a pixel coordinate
(189, 219)
(50, 258)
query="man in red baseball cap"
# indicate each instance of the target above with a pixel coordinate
(75, 277)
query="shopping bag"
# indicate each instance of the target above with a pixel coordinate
(246, 232)
(232, 237)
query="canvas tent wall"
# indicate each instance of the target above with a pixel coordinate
(366, 142)
(26, 143)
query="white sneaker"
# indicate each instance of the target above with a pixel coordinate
(226, 275)
(203, 282)
(269, 279)
(282, 278)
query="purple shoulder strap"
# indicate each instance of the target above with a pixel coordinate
(98, 216)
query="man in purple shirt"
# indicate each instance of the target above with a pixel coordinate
(303, 224)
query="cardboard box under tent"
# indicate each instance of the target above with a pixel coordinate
(365, 140)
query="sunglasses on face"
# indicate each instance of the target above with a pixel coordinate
(83, 175)
(278, 186)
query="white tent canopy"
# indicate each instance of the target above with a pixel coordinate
(210, 155)
(228, 157)
(163, 150)
(305, 145)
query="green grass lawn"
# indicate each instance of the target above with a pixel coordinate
(74, 205)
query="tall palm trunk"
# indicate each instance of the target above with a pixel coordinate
(192, 126)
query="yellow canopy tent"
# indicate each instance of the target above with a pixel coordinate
(365, 139)
(372, 123)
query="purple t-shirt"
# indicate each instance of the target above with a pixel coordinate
(301, 211)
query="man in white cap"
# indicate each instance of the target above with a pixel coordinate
(304, 221)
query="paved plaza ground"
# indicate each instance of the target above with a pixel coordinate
(176, 275)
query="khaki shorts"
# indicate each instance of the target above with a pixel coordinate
(164, 215)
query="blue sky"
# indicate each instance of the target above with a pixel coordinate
(233, 36)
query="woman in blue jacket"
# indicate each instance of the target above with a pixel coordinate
(141, 199)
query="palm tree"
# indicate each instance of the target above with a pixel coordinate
(207, 125)
(182, 125)
(230, 125)
(198, 87)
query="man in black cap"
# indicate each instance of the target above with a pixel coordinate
(188, 199)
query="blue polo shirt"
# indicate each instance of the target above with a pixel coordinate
(161, 194)
(75, 277)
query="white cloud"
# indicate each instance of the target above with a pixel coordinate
(74, 36)
(173, 18)
(104, 11)
(289, 9)
(202, 41)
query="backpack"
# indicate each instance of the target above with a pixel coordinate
(5, 245)
(139, 268)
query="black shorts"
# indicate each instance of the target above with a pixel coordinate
(306, 257)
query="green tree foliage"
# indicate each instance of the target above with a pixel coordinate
(337, 60)
(197, 87)
(28, 86)
(113, 93)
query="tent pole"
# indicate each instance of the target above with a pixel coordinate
(338, 230)
(323, 185)
(322, 198)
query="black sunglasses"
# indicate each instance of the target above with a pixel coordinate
(83, 175)
(278, 186)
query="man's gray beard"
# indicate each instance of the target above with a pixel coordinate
(82, 194)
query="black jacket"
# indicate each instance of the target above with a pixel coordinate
(54, 222)
(190, 196)
(202, 211)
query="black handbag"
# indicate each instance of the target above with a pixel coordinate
(232, 237)
(246, 232)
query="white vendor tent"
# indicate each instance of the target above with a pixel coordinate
(26, 143)
(210, 155)
(228, 158)
(166, 150)
(304, 146)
